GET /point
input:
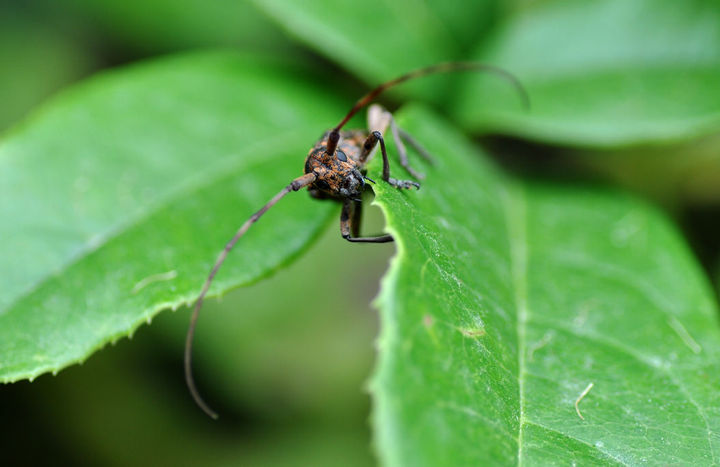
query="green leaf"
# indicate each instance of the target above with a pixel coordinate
(42, 61)
(118, 196)
(161, 25)
(676, 173)
(302, 337)
(125, 384)
(507, 300)
(603, 73)
(381, 39)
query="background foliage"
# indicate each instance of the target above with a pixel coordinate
(620, 96)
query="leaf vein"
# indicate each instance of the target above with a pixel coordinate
(514, 201)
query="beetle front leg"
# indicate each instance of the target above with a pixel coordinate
(347, 229)
(355, 218)
(370, 143)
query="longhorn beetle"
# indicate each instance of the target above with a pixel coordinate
(335, 169)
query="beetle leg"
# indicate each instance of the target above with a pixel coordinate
(369, 145)
(350, 230)
(405, 136)
(402, 152)
(380, 119)
(355, 218)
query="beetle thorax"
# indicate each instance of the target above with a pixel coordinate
(338, 176)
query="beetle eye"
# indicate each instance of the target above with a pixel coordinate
(341, 155)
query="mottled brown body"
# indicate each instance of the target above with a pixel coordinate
(339, 175)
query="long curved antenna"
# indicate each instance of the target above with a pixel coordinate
(446, 67)
(295, 185)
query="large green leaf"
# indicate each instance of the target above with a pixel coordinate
(117, 197)
(284, 373)
(380, 39)
(506, 300)
(603, 73)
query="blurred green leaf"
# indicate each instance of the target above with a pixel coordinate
(118, 196)
(162, 25)
(123, 397)
(507, 300)
(673, 174)
(37, 61)
(285, 373)
(603, 73)
(300, 342)
(379, 39)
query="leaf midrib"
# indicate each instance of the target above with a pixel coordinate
(514, 200)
